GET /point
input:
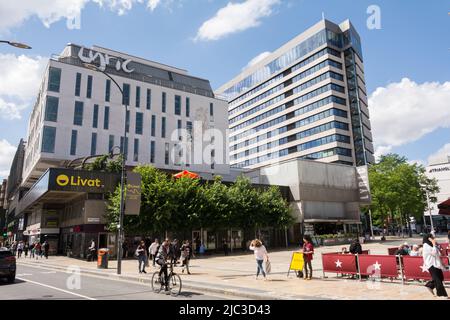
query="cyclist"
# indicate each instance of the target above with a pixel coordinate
(162, 258)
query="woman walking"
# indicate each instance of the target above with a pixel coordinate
(308, 252)
(260, 254)
(432, 262)
(186, 255)
(141, 253)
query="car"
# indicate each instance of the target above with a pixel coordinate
(7, 265)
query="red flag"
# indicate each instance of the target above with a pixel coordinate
(339, 263)
(413, 268)
(378, 265)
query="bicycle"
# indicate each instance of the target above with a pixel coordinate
(174, 283)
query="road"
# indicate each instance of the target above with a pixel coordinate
(39, 283)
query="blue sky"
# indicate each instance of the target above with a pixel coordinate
(412, 44)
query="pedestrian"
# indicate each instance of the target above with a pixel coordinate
(415, 251)
(91, 251)
(38, 250)
(355, 247)
(433, 232)
(153, 249)
(141, 254)
(432, 262)
(308, 252)
(124, 249)
(32, 250)
(175, 251)
(197, 245)
(225, 246)
(186, 255)
(26, 247)
(260, 255)
(46, 247)
(202, 249)
(19, 249)
(402, 250)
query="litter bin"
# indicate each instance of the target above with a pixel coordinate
(102, 261)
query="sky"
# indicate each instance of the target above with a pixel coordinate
(406, 50)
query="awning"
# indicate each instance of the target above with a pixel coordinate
(186, 173)
(444, 207)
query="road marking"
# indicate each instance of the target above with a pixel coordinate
(48, 272)
(24, 274)
(55, 288)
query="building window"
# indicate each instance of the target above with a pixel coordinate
(78, 84)
(126, 94)
(106, 119)
(48, 139)
(89, 87)
(211, 111)
(163, 127)
(149, 99)
(188, 107)
(51, 109)
(122, 147)
(139, 122)
(178, 105)
(93, 143)
(138, 97)
(127, 121)
(108, 90)
(111, 142)
(136, 150)
(95, 117)
(54, 79)
(73, 143)
(78, 113)
(166, 153)
(153, 125)
(179, 126)
(163, 106)
(189, 130)
(152, 151)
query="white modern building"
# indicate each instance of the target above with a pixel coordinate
(440, 170)
(174, 120)
(306, 100)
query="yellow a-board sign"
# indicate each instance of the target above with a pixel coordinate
(297, 262)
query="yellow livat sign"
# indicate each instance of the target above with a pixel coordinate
(297, 261)
(64, 180)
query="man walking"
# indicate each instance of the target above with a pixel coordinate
(46, 247)
(153, 250)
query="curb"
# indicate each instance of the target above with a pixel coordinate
(186, 284)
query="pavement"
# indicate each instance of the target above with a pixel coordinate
(233, 276)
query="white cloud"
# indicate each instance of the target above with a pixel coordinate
(7, 152)
(258, 58)
(418, 162)
(235, 17)
(405, 111)
(14, 13)
(20, 80)
(440, 156)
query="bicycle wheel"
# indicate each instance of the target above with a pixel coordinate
(156, 282)
(175, 284)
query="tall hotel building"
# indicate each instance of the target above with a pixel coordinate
(79, 112)
(306, 100)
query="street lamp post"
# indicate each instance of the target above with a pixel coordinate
(122, 176)
(16, 44)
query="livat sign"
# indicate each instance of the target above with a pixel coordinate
(105, 60)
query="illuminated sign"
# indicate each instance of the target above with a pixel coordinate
(104, 60)
(77, 181)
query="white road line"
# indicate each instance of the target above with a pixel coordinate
(55, 288)
(48, 272)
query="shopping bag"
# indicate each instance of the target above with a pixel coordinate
(268, 266)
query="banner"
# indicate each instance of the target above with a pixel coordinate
(378, 265)
(297, 262)
(413, 268)
(339, 263)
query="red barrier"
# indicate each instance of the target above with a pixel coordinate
(382, 265)
(413, 268)
(339, 263)
(392, 251)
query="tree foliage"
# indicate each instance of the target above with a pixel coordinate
(170, 204)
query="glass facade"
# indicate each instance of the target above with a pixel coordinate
(78, 84)
(73, 143)
(89, 87)
(152, 151)
(177, 105)
(153, 126)
(51, 109)
(139, 122)
(106, 119)
(166, 153)
(78, 113)
(163, 102)
(126, 94)
(149, 99)
(93, 143)
(48, 139)
(136, 150)
(95, 117)
(188, 107)
(163, 127)
(54, 79)
(138, 97)
(127, 121)
(110, 142)
(108, 90)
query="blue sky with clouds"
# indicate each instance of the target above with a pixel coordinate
(407, 61)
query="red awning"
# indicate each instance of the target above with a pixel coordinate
(186, 173)
(444, 207)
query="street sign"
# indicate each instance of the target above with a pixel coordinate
(297, 262)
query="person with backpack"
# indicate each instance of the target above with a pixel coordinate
(153, 250)
(308, 252)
